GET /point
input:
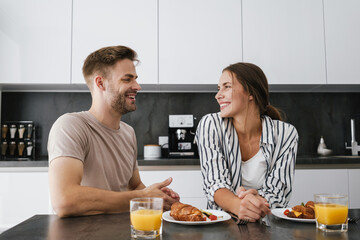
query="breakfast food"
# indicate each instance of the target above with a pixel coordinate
(186, 212)
(302, 211)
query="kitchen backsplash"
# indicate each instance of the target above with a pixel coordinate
(313, 114)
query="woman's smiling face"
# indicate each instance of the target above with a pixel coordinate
(232, 97)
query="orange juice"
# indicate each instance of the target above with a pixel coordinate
(146, 219)
(331, 214)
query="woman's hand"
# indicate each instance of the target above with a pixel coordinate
(161, 190)
(171, 193)
(252, 205)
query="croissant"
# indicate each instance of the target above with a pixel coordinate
(186, 212)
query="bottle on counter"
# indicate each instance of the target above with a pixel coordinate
(4, 130)
(322, 149)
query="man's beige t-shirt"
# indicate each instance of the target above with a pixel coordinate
(108, 155)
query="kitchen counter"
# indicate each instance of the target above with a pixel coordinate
(302, 162)
(117, 226)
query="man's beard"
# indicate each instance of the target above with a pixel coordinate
(118, 104)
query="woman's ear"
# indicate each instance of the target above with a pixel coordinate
(251, 97)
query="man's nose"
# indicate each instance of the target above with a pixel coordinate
(136, 86)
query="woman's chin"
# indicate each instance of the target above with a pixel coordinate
(224, 114)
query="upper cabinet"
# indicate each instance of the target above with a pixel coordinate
(198, 39)
(342, 31)
(286, 39)
(35, 41)
(102, 23)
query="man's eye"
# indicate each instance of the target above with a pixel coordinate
(126, 79)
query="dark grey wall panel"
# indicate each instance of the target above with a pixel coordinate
(313, 114)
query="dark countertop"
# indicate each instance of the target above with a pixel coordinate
(301, 162)
(117, 226)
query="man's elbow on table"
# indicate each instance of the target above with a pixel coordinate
(63, 207)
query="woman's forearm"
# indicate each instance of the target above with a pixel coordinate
(227, 200)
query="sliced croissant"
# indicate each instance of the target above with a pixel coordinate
(186, 212)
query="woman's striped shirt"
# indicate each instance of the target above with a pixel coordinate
(220, 158)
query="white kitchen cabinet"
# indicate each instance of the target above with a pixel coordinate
(22, 195)
(188, 184)
(342, 32)
(311, 181)
(285, 38)
(354, 189)
(198, 39)
(35, 41)
(102, 23)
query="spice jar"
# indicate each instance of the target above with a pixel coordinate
(4, 130)
(4, 146)
(12, 131)
(21, 130)
(29, 148)
(21, 147)
(12, 148)
(29, 130)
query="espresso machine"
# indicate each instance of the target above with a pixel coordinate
(182, 136)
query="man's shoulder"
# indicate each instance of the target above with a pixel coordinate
(126, 127)
(73, 118)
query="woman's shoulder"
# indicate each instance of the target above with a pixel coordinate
(213, 119)
(280, 126)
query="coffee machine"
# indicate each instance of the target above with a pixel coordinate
(182, 136)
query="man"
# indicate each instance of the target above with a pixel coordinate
(92, 154)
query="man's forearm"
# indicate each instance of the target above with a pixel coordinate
(81, 200)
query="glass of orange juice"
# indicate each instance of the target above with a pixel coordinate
(331, 212)
(146, 217)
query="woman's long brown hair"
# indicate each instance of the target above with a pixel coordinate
(254, 81)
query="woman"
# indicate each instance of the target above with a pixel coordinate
(247, 154)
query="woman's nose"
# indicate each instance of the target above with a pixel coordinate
(218, 95)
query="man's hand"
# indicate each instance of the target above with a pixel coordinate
(161, 190)
(252, 206)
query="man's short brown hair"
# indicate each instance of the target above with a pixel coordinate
(101, 60)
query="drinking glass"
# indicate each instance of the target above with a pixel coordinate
(331, 212)
(146, 217)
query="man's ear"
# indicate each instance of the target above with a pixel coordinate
(99, 82)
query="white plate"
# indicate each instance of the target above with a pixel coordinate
(279, 212)
(225, 216)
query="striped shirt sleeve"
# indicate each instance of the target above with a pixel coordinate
(214, 167)
(277, 188)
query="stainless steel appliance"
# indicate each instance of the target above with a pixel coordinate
(181, 136)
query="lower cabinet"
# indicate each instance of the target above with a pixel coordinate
(354, 189)
(311, 181)
(187, 183)
(22, 195)
(307, 182)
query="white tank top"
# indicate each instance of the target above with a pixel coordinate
(253, 171)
